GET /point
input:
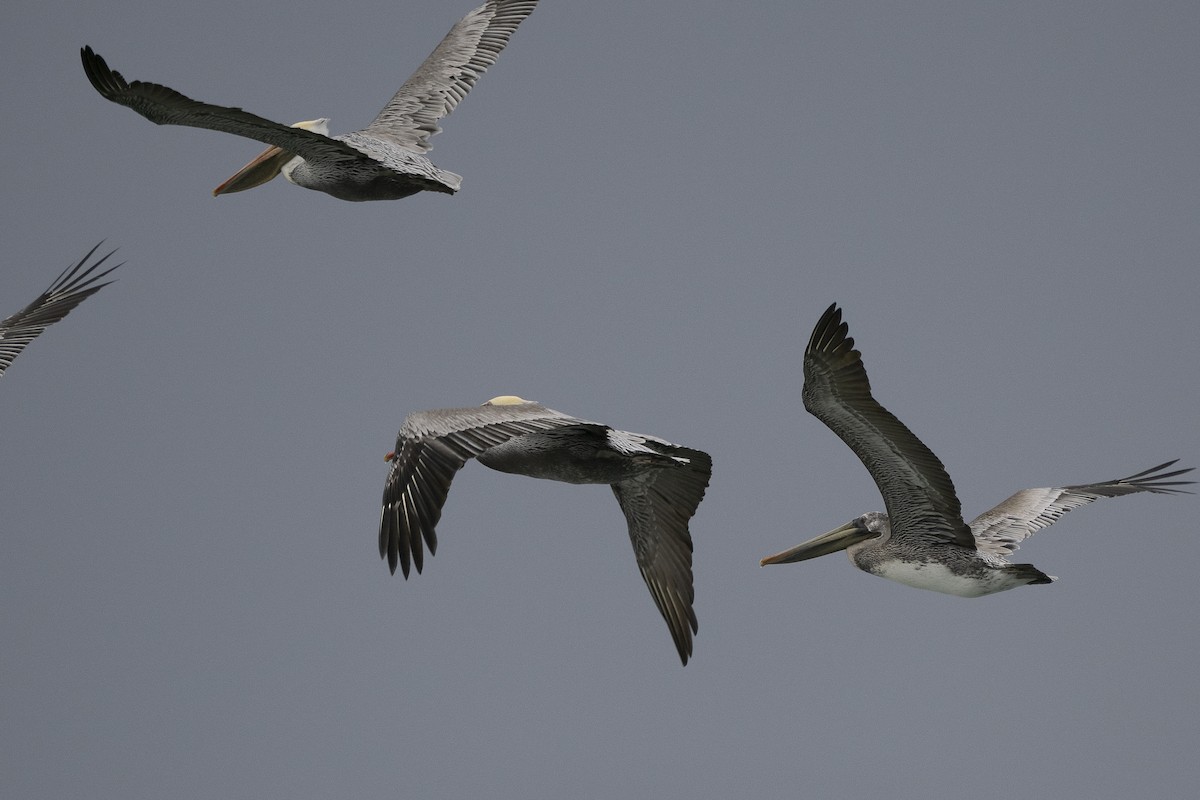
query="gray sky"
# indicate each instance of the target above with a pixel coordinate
(658, 202)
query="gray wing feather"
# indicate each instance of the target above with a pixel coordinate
(70, 289)
(658, 505)
(916, 488)
(445, 77)
(165, 106)
(430, 448)
(1001, 530)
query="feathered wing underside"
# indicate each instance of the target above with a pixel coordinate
(629, 443)
(1000, 531)
(916, 489)
(431, 447)
(445, 77)
(165, 106)
(658, 505)
(74, 285)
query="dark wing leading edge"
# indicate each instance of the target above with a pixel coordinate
(1000, 530)
(445, 77)
(917, 491)
(70, 289)
(430, 448)
(165, 106)
(657, 506)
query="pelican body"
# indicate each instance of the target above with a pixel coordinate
(385, 160)
(74, 285)
(922, 540)
(657, 484)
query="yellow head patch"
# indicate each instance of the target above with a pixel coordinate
(320, 126)
(506, 400)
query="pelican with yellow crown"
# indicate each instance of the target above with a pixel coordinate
(383, 161)
(657, 484)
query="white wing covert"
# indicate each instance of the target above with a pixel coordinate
(1000, 530)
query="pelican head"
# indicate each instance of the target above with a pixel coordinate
(507, 400)
(857, 532)
(269, 163)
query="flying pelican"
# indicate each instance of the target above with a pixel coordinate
(70, 289)
(383, 161)
(658, 485)
(922, 540)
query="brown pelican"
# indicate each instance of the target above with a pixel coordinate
(70, 289)
(922, 540)
(658, 485)
(383, 161)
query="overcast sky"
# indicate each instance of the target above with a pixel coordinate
(659, 200)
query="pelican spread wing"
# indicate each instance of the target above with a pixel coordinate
(916, 489)
(658, 505)
(431, 447)
(70, 289)
(165, 106)
(445, 77)
(1001, 530)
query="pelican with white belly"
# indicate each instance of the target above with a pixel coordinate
(383, 161)
(922, 540)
